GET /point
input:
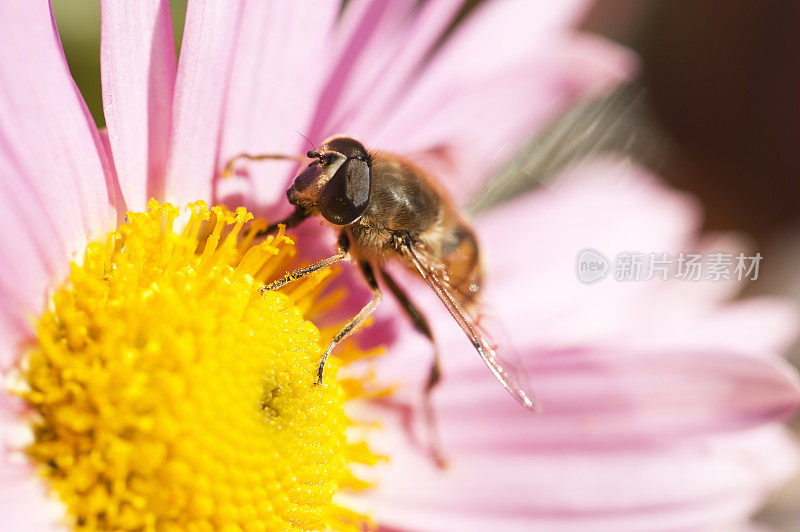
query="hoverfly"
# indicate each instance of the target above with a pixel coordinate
(385, 208)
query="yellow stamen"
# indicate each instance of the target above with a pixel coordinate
(172, 395)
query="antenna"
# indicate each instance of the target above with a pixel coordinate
(307, 140)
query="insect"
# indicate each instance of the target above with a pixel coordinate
(387, 209)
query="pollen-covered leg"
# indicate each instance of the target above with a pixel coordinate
(434, 373)
(359, 319)
(302, 272)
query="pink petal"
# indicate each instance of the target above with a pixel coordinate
(56, 182)
(611, 207)
(204, 67)
(606, 206)
(280, 60)
(138, 74)
(757, 326)
(366, 30)
(591, 399)
(32, 257)
(380, 48)
(594, 397)
(26, 504)
(48, 136)
(695, 484)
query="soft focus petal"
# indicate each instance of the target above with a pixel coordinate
(591, 397)
(688, 486)
(32, 256)
(614, 399)
(209, 40)
(611, 207)
(27, 507)
(759, 326)
(138, 75)
(55, 191)
(388, 43)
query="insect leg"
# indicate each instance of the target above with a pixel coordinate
(293, 220)
(359, 319)
(302, 272)
(434, 373)
(228, 170)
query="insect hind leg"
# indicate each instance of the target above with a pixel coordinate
(358, 320)
(420, 323)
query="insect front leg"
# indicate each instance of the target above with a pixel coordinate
(359, 319)
(227, 171)
(299, 214)
(293, 220)
(302, 272)
(420, 323)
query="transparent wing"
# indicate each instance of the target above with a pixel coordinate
(512, 377)
(619, 123)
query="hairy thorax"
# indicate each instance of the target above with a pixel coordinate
(404, 200)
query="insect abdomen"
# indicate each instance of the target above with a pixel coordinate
(460, 255)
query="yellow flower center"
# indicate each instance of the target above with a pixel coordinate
(172, 395)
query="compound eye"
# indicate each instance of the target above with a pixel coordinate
(345, 196)
(312, 154)
(349, 147)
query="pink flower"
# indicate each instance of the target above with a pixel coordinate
(652, 420)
